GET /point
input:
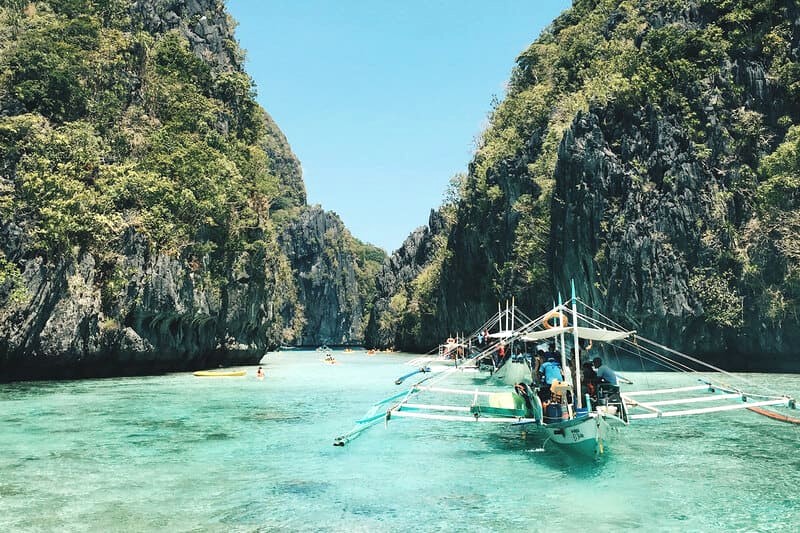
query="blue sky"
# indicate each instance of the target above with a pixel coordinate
(382, 100)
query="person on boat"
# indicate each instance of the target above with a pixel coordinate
(607, 381)
(589, 378)
(538, 360)
(584, 351)
(571, 369)
(604, 373)
(550, 371)
(260, 373)
(551, 352)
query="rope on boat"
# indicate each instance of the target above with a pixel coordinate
(666, 361)
(712, 367)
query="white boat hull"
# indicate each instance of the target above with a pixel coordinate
(585, 436)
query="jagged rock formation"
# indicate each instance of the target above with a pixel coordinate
(205, 24)
(317, 244)
(284, 164)
(644, 150)
(393, 283)
(164, 316)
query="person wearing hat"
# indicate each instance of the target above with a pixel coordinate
(550, 371)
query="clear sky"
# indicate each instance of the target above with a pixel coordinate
(382, 100)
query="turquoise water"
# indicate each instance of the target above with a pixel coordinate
(180, 453)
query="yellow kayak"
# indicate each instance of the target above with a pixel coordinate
(219, 374)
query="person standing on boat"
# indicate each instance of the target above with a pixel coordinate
(550, 371)
(584, 351)
(538, 360)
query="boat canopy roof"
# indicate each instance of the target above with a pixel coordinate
(593, 334)
(503, 334)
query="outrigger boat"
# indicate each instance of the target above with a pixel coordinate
(478, 351)
(572, 418)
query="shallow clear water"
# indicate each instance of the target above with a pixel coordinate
(181, 453)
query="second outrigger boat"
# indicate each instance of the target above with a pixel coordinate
(570, 416)
(477, 352)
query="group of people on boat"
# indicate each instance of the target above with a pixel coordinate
(596, 377)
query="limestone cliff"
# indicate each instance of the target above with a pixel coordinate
(393, 285)
(142, 194)
(324, 266)
(643, 149)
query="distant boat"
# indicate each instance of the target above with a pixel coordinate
(219, 373)
(477, 352)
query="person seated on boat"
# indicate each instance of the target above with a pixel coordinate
(589, 378)
(604, 373)
(550, 371)
(606, 378)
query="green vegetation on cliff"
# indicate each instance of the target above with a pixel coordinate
(143, 192)
(648, 149)
(120, 128)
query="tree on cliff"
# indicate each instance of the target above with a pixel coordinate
(642, 148)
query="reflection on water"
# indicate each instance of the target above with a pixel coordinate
(181, 453)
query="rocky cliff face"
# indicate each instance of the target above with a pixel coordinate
(393, 281)
(161, 314)
(204, 23)
(324, 267)
(139, 220)
(636, 152)
(659, 229)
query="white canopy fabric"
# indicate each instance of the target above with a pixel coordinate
(544, 334)
(593, 334)
(502, 334)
